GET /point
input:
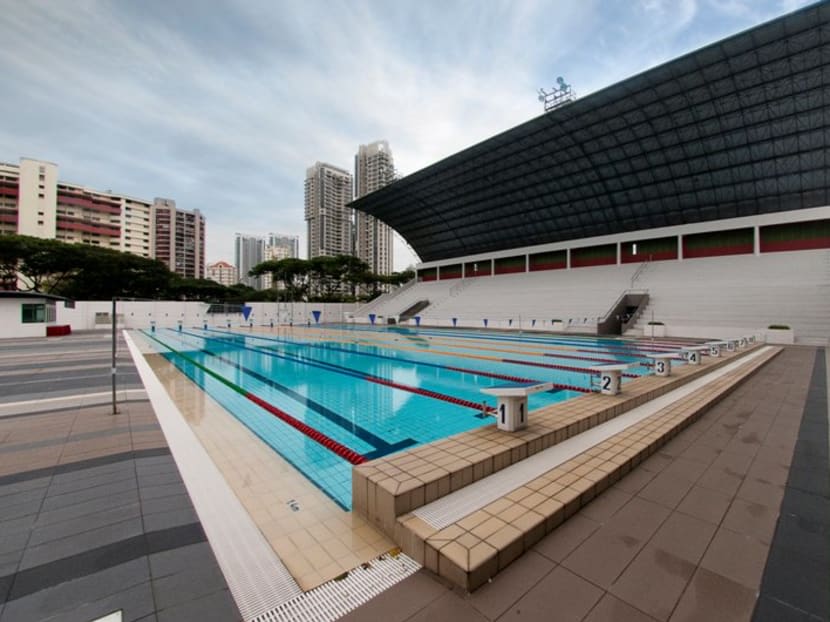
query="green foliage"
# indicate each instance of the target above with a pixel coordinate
(778, 327)
(85, 272)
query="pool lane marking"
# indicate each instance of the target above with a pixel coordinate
(484, 357)
(454, 343)
(329, 443)
(557, 385)
(360, 375)
(382, 448)
(568, 341)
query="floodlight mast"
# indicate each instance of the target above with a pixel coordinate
(557, 96)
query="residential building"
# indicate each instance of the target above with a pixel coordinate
(248, 251)
(179, 238)
(373, 169)
(291, 244)
(223, 273)
(34, 202)
(328, 191)
(279, 247)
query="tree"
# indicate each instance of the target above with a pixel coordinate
(292, 272)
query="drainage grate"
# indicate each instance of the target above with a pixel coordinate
(338, 597)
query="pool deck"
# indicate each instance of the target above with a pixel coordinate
(692, 532)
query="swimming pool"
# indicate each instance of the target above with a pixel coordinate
(328, 398)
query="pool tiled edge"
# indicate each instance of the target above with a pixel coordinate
(387, 488)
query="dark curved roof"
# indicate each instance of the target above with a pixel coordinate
(738, 128)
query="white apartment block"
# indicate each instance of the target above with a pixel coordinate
(223, 273)
(373, 169)
(328, 190)
(34, 202)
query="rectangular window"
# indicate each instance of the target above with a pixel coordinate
(33, 313)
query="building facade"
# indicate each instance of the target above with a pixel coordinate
(179, 238)
(328, 191)
(34, 202)
(374, 168)
(248, 251)
(223, 273)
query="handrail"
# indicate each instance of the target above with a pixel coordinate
(625, 293)
(385, 297)
(640, 269)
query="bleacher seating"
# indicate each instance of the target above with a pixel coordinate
(741, 292)
(701, 297)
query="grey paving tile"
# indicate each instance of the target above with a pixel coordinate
(450, 606)
(19, 510)
(82, 542)
(557, 545)
(187, 585)
(17, 525)
(401, 602)
(93, 506)
(63, 529)
(562, 592)
(58, 501)
(172, 518)
(162, 490)
(216, 607)
(12, 542)
(158, 479)
(136, 603)
(166, 504)
(63, 598)
(68, 484)
(25, 486)
(180, 559)
(494, 598)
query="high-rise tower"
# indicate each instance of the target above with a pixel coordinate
(328, 189)
(373, 169)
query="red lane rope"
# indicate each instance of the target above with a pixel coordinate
(328, 442)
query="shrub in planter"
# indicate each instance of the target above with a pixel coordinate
(778, 327)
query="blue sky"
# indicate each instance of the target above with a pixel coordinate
(223, 104)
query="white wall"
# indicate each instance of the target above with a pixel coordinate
(168, 314)
(11, 325)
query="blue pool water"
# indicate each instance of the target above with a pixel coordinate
(370, 396)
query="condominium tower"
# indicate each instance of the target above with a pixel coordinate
(328, 190)
(248, 251)
(34, 202)
(180, 238)
(373, 169)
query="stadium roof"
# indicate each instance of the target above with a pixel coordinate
(738, 128)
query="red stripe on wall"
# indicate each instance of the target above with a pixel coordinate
(717, 251)
(587, 262)
(659, 256)
(510, 270)
(559, 265)
(777, 246)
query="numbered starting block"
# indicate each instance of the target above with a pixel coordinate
(609, 377)
(694, 354)
(662, 363)
(511, 405)
(715, 347)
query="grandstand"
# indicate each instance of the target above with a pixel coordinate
(701, 182)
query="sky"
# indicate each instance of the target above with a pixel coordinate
(222, 105)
